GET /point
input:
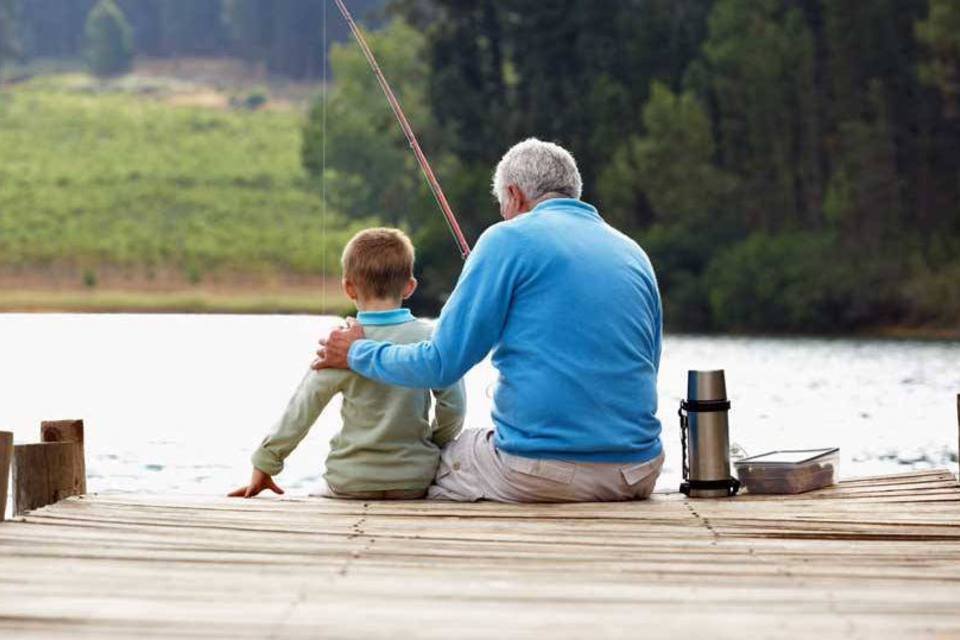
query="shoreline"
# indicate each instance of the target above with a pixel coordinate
(199, 301)
(302, 300)
(885, 332)
(914, 333)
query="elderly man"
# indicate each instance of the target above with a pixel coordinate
(570, 309)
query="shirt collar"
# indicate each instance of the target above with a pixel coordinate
(577, 206)
(390, 316)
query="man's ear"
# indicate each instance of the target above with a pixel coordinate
(515, 194)
(349, 289)
(518, 202)
(410, 287)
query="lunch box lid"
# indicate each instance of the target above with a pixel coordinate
(789, 457)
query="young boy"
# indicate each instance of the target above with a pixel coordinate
(387, 448)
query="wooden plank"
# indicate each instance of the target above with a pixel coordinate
(45, 473)
(6, 457)
(877, 558)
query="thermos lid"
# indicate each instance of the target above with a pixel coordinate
(703, 386)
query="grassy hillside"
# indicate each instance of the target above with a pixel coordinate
(127, 186)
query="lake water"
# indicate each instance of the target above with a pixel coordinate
(176, 403)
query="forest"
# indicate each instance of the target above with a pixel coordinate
(282, 35)
(789, 165)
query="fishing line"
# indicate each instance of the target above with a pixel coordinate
(323, 162)
(408, 132)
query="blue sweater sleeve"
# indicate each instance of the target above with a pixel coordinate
(470, 323)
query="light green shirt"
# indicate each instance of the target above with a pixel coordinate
(387, 440)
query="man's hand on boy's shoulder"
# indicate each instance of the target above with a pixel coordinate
(259, 481)
(334, 349)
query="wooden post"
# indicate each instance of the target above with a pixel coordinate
(52, 470)
(6, 455)
(68, 431)
(958, 436)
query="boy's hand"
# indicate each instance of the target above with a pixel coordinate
(333, 350)
(258, 482)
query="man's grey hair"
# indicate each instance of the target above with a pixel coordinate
(538, 168)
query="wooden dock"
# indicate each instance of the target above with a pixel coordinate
(875, 557)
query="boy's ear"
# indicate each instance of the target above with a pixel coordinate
(410, 288)
(349, 289)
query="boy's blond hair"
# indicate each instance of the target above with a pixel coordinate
(379, 262)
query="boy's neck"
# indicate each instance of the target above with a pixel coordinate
(377, 304)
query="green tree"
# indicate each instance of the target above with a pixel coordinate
(671, 167)
(573, 72)
(287, 36)
(884, 132)
(571, 53)
(367, 162)
(9, 41)
(146, 21)
(933, 211)
(795, 117)
(940, 34)
(669, 174)
(109, 43)
(663, 37)
(760, 58)
(468, 88)
(53, 28)
(191, 27)
(375, 173)
(249, 23)
(9, 44)
(864, 199)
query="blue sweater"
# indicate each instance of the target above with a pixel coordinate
(571, 310)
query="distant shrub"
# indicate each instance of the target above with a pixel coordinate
(933, 295)
(194, 274)
(109, 40)
(89, 278)
(799, 282)
(680, 258)
(252, 101)
(255, 99)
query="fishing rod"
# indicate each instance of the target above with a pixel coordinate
(408, 132)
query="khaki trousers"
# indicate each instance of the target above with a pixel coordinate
(389, 494)
(471, 468)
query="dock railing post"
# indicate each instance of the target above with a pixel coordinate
(52, 470)
(958, 437)
(68, 431)
(6, 455)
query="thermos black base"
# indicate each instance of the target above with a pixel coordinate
(731, 486)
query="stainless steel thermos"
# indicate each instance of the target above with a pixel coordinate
(705, 436)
